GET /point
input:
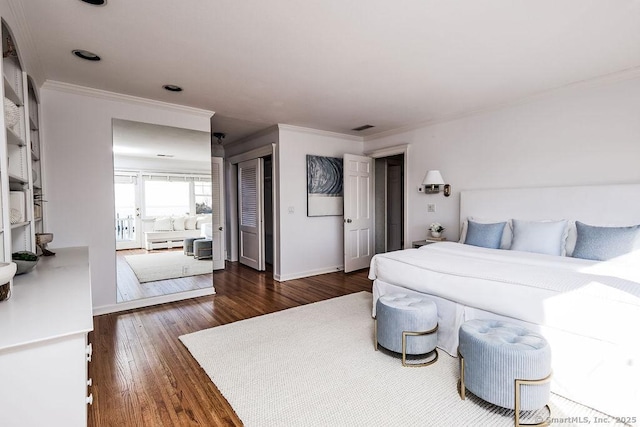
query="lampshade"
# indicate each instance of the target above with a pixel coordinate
(433, 178)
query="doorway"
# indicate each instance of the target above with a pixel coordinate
(389, 203)
(375, 205)
(127, 201)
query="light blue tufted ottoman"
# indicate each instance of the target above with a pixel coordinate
(202, 248)
(505, 364)
(188, 244)
(408, 325)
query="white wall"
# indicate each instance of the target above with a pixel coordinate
(581, 135)
(308, 245)
(76, 126)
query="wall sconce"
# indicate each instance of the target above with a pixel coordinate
(217, 149)
(432, 182)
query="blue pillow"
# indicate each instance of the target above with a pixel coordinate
(604, 243)
(484, 235)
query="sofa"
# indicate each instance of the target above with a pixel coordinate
(170, 232)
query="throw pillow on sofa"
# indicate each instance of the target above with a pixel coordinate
(178, 223)
(203, 219)
(162, 224)
(190, 223)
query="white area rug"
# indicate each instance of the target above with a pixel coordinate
(167, 265)
(315, 365)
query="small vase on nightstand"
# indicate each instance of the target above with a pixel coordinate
(435, 234)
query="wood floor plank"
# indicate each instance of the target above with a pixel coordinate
(144, 376)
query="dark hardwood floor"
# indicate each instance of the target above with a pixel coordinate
(144, 376)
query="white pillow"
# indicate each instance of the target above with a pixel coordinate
(178, 223)
(544, 237)
(201, 220)
(505, 243)
(572, 237)
(190, 223)
(162, 224)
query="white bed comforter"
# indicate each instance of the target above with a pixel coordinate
(595, 299)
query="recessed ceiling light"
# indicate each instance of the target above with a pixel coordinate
(95, 2)
(172, 88)
(85, 54)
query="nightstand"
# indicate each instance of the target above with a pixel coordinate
(418, 243)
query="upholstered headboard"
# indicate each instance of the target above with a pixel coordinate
(605, 205)
(595, 205)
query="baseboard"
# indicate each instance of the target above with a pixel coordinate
(147, 302)
(300, 275)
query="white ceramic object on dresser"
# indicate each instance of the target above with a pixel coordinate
(45, 343)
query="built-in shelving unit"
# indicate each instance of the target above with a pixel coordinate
(20, 164)
(44, 347)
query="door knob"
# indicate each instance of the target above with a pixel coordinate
(348, 220)
(220, 228)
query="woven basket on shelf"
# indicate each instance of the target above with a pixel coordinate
(11, 113)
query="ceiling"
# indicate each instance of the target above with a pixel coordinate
(333, 64)
(143, 142)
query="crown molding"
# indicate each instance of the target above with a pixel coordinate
(113, 96)
(300, 129)
(618, 76)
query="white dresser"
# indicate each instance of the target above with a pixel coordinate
(44, 349)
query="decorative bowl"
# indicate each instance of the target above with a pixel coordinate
(25, 261)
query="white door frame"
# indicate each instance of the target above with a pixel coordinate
(392, 151)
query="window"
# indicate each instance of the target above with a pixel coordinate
(166, 198)
(202, 192)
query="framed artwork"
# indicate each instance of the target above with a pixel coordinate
(324, 186)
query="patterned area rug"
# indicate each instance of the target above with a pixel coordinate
(315, 365)
(167, 265)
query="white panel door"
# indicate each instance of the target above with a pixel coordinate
(217, 217)
(358, 212)
(250, 212)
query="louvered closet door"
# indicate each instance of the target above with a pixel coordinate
(250, 196)
(217, 217)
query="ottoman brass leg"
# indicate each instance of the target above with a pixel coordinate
(461, 388)
(405, 334)
(518, 383)
(375, 333)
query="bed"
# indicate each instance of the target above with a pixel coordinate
(589, 310)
